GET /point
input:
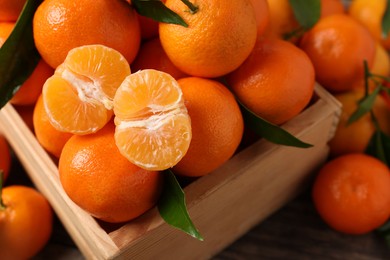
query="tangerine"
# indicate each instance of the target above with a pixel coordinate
(258, 83)
(152, 56)
(338, 45)
(61, 25)
(352, 193)
(354, 137)
(78, 98)
(25, 222)
(5, 30)
(210, 46)
(104, 183)
(10, 10)
(370, 15)
(49, 137)
(31, 89)
(153, 129)
(217, 126)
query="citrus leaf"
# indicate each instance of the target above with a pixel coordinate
(307, 12)
(386, 21)
(364, 106)
(156, 10)
(172, 206)
(379, 146)
(269, 131)
(18, 55)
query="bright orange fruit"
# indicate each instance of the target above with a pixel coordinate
(61, 25)
(276, 81)
(338, 46)
(78, 98)
(25, 222)
(153, 129)
(210, 46)
(352, 193)
(217, 126)
(104, 183)
(50, 138)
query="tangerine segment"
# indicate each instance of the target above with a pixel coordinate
(67, 113)
(78, 98)
(105, 67)
(153, 128)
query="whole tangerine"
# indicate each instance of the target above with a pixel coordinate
(219, 37)
(352, 193)
(338, 46)
(216, 122)
(103, 182)
(25, 222)
(61, 25)
(276, 81)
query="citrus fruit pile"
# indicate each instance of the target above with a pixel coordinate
(124, 97)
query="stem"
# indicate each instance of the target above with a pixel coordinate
(2, 206)
(193, 8)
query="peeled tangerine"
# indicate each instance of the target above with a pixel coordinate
(78, 98)
(153, 128)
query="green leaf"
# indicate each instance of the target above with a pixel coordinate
(307, 12)
(156, 10)
(269, 131)
(364, 106)
(386, 21)
(18, 55)
(172, 206)
(379, 146)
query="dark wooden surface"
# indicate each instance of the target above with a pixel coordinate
(293, 232)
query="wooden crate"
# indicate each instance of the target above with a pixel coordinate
(223, 205)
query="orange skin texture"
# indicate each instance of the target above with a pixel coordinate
(352, 193)
(25, 224)
(5, 158)
(5, 30)
(337, 45)
(330, 7)
(10, 10)
(104, 183)
(276, 82)
(31, 89)
(49, 137)
(152, 56)
(380, 66)
(262, 15)
(61, 25)
(282, 20)
(219, 37)
(217, 126)
(354, 138)
(370, 14)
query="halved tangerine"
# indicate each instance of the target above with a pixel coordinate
(153, 128)
(78, 98)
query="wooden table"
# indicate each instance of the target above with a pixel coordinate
(294, 232)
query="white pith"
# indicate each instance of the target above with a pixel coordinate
(88, 90)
